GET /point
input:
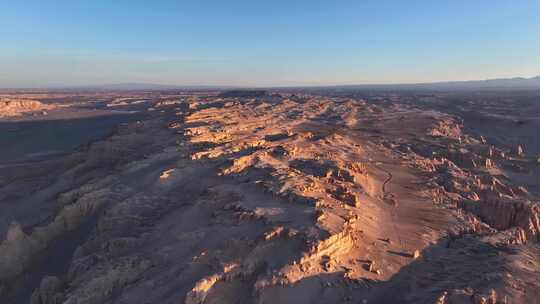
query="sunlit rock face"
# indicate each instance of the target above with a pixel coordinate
(12, 107)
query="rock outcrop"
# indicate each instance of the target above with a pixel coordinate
(10, 107)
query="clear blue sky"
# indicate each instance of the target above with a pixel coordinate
(252, 42)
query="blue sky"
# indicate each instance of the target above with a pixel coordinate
(250, 42)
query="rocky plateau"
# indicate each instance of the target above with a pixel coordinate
(281, 197)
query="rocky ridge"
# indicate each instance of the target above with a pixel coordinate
(253, 200)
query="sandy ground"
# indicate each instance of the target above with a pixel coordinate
(276, 199)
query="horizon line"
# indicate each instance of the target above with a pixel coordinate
(239, 86)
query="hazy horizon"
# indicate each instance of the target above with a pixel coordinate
(211, 86)
(242, 43)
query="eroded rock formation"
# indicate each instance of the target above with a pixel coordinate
(270, 199)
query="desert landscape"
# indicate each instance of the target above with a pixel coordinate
(270, 152)
(325, 195)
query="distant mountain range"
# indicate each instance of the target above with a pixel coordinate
(490, 84)
(152, 87)
(517, 83)
(501, 83)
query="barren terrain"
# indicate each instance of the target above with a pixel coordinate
(331, 197)
(13, 107)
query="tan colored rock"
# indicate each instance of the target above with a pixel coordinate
(166, 174)
(520, 151)
(503, 212)
(474, 196)
(371, 266)
(199, 292)
(489, 163)
(493, 296)
(442, 298)
(10, 107)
